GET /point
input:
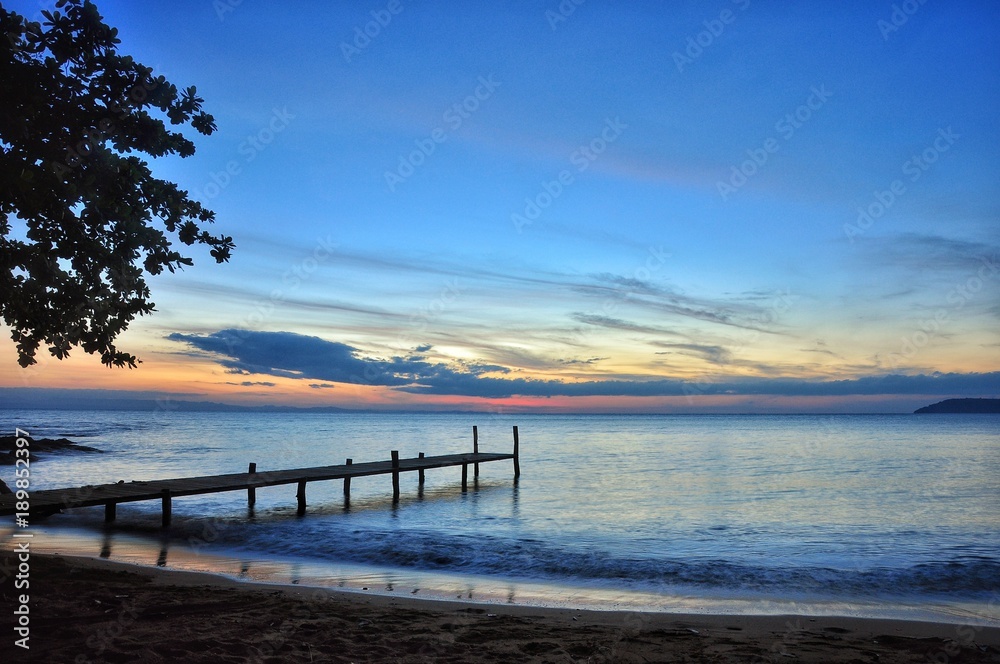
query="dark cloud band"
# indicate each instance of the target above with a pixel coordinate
(291, 355)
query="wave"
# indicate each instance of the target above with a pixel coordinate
(961, 576)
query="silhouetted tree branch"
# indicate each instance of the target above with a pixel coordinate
(91, 219)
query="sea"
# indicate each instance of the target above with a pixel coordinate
(864, 515)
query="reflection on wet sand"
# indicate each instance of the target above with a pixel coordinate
(162, 552)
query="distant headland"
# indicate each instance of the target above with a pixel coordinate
(976, 406)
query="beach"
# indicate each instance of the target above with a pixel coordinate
(92, 610)
(625, 539)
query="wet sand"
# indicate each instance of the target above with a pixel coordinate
(89, 610)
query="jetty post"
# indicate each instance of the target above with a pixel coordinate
(347, 484)
(251, 492)
(395, 476)
(517, 463)
(475, 449)
(420, 473)
(300, 496)
(165, 502)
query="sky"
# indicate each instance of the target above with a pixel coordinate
(731, 206)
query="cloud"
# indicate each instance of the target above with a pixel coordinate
(821, 351)
(744, 314)
(944, 252)
(479, 368)
(713, 354)
(937, 255)
(292, 355)
(612, 323)
(575, 361)
(945, 384)
(518, 357)
(242, 294)
(630, 285)
(252, 383)
(656, 305)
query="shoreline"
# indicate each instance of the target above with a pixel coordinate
(112, 611)
(136, 551)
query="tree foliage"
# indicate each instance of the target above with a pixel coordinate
(90, 220)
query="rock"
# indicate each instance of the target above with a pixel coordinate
(38, 447)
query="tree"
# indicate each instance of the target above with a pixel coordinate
(92, 221)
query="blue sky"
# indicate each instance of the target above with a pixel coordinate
(631, 195)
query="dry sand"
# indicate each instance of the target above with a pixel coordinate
(86, 610)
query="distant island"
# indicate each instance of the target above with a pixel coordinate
(967, 406)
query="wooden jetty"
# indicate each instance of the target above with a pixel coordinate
(50, 501)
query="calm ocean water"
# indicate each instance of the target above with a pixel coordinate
(650, 511)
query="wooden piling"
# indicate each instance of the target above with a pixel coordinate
(465, 477)
(420, 473)
(165, 502)
(517, 463)
(475, 449)
(251, 492)
(395, 476)
(300, 496)
(109, 511)
(347, 483)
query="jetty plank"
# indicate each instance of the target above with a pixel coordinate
(109, 495)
